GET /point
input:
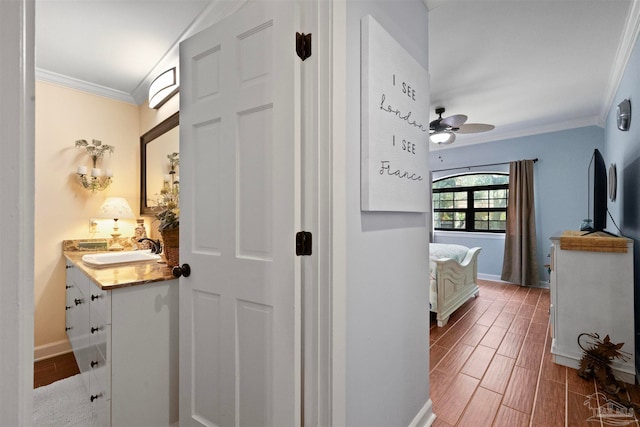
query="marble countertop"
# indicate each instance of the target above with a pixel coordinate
(121, 276)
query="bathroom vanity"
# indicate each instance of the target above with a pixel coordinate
(122, 323)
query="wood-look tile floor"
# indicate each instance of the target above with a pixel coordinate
(53, 369)
(491, 366)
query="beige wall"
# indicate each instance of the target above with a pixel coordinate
(62, 207)
(150, 117)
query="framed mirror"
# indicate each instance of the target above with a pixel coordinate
(155, 145)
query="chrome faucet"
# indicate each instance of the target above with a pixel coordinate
(156, 247)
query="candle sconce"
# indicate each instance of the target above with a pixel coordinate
(94, 181)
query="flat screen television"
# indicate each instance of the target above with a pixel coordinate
(598, 178)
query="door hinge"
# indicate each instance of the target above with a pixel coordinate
(303, 243)
(303, 45)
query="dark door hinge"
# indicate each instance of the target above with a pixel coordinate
(303, 45)
(303, 243)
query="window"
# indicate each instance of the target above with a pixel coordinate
(471, 202)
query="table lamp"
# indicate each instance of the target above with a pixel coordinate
(116, 208)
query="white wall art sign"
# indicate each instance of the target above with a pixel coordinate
(395, 125)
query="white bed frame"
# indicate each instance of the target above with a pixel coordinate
(456, 283)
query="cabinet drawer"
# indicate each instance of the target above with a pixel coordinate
(100, 333)
(100, 403)
(100, 372)
(77, 318)
(83, 358)
(71, 309)
(100, 301)
(77, 279)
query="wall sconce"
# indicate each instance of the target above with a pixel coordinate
(115, 208)
(623, 115)
(95, 150)
(162, 88)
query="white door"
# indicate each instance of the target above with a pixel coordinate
(239, 149)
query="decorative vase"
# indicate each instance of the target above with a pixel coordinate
(171, 239)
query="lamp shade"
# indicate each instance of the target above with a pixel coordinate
(162, 88)
(115, 208)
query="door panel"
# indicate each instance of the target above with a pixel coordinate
(239, 326)
(254, 184)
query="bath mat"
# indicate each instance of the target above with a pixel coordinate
(62, 403)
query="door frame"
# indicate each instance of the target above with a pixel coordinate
(327, 382)
(318, 323)
(17, 133)
(333, 101)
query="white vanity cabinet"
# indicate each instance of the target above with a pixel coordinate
(592, 291)
(125, 341)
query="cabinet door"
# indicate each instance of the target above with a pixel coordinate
(144, 355)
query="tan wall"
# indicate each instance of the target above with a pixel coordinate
(62, 207)
(150, 117)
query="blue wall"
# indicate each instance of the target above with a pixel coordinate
(561, 185)
(623, 149)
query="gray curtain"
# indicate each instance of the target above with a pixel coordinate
(520, 263)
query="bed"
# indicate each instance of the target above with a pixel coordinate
(453, 276)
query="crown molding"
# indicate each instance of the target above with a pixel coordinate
(213, 13)
(83, 86)
(621, 60)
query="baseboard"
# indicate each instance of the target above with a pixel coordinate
(425, 417)
(492, 277)
(496, 278)
(53, 349)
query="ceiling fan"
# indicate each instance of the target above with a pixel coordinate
(443, 131)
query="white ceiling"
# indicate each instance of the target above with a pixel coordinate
(116, 47)
(525, 66)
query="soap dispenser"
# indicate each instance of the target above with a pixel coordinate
(141, 233)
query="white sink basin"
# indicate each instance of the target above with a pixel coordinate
(119, 258)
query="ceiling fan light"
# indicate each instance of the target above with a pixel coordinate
(442, 138)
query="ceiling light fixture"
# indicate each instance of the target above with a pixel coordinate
(162, 88)
(442, 138)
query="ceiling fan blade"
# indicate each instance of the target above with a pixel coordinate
(455, 120)
(474, 128)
